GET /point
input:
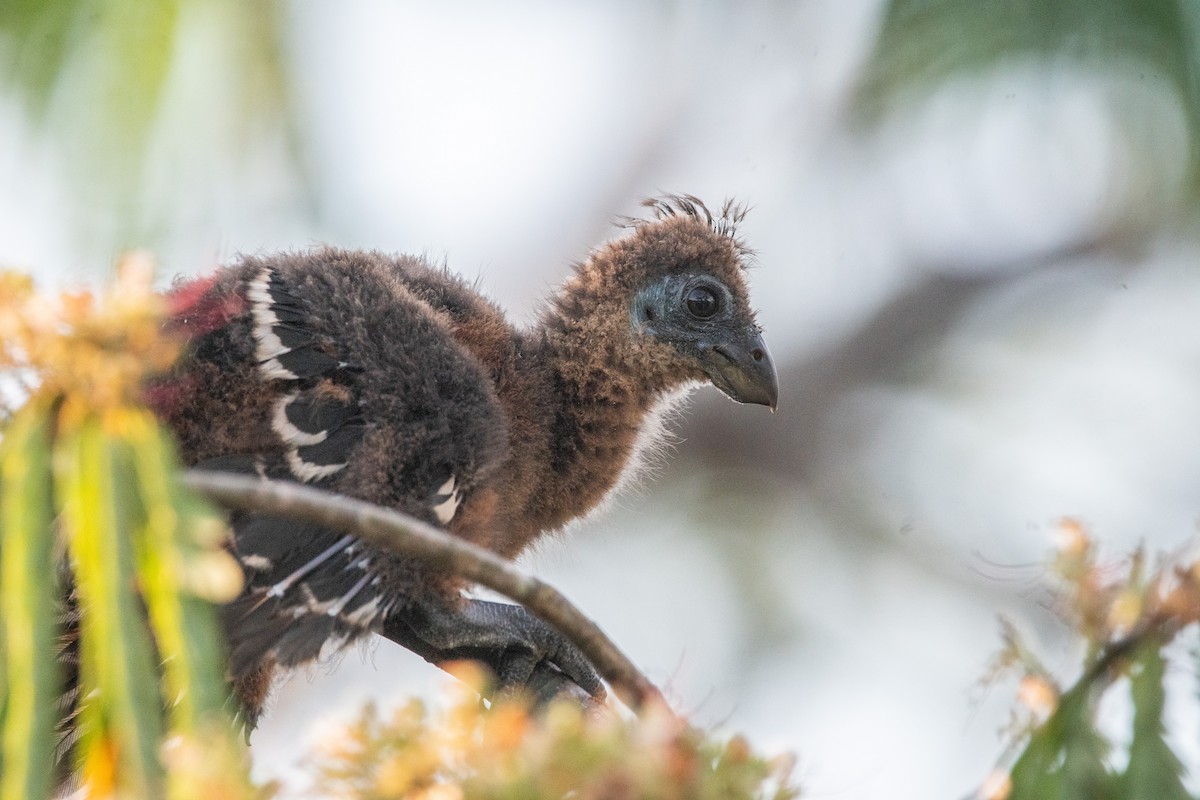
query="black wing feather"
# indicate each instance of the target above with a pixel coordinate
(372, 398)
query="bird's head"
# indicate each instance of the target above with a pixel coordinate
(676, 302)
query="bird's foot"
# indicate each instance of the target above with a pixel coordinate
(525, 654)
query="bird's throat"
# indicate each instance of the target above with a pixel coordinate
(598, 410)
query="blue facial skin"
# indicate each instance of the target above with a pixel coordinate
(660, 310)
(731, 352)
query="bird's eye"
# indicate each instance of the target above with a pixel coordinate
(701, 302)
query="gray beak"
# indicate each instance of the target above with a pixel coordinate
(742, 368)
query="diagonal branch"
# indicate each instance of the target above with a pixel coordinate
(399, 533)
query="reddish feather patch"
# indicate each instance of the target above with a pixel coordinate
(195, 310)
(167, 397)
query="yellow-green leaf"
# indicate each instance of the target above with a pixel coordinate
(122, 714)
(184, 626)
(27, 605)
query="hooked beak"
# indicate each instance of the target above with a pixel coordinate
(742, 368)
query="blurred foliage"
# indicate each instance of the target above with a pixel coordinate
(89, 507)
(471, 752)
(1126, 618)
(923, 44)
(95, 77)
(134, 41)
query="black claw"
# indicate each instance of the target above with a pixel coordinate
(548, 683)
(524, 653)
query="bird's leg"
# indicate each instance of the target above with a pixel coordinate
(524, 652)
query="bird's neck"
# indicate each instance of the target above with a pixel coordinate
(599, 404)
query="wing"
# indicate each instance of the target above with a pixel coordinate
(359, 389)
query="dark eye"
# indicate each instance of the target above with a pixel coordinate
(702, 302)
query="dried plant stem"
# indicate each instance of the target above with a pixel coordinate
(399, 533)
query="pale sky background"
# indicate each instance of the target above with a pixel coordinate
(981, 323)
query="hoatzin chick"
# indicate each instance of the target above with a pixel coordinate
(393, 381)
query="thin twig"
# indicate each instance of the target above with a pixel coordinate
(399, 533)
(1159, 627)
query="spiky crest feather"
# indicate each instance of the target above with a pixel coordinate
(725, 223)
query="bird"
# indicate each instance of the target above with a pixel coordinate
(391, 379)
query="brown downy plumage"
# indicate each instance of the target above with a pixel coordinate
(390, 380)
